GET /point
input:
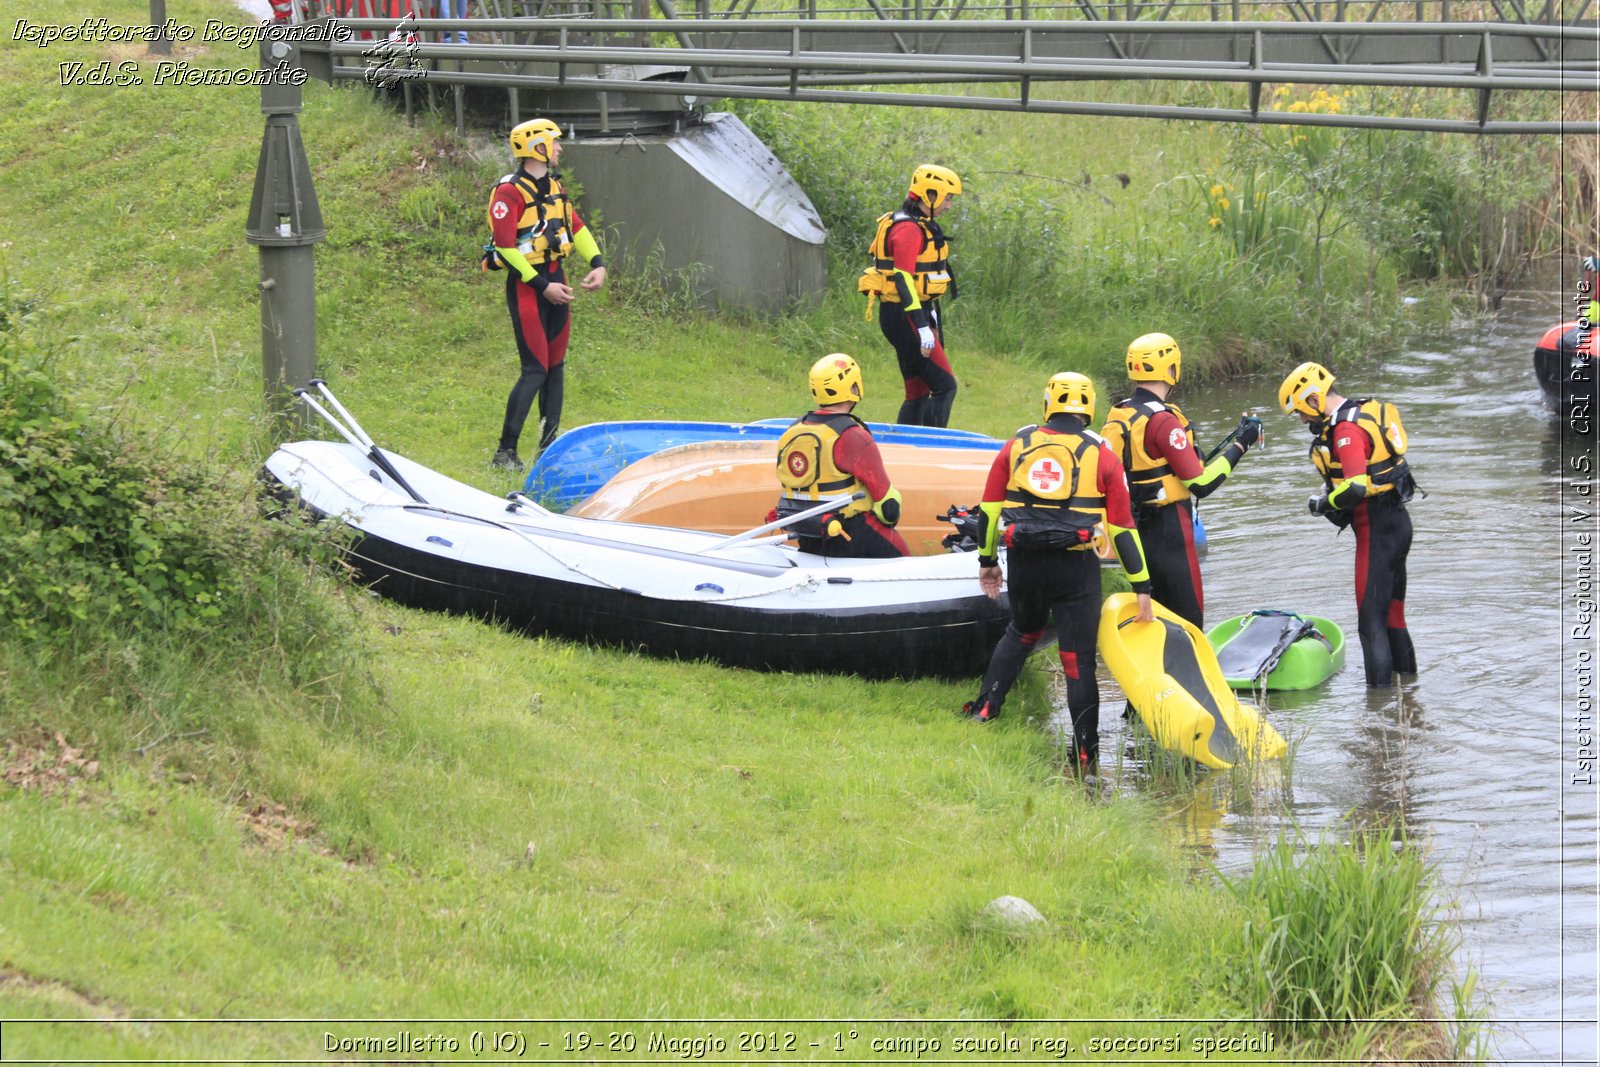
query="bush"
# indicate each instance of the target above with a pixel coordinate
(108, 540)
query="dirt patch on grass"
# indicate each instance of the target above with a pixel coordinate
(273, 827)
(26, 985)
(46, 763)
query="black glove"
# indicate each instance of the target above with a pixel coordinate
(888, 509)
(1249, 431)
(1318, 505)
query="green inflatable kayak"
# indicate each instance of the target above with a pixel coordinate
(1277, 649)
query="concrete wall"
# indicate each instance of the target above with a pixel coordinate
(713, 195)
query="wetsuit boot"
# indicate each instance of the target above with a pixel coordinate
(1004, 665)
(1401, 651)
(1083, 701)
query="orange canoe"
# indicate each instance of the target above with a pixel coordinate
(728, 487)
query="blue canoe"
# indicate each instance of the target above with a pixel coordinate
(583, 459)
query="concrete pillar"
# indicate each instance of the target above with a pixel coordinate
(285, 223)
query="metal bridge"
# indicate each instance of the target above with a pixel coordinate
(625, 63)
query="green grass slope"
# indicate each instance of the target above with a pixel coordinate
(468, 823)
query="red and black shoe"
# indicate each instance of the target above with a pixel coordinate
(980, 710)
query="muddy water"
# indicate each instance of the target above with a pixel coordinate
(1479, 754)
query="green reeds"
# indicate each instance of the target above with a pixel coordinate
(1348, 944)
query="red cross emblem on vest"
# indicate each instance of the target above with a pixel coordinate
(1045, 475)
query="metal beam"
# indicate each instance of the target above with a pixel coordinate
(1479, 57)
(1033, 106)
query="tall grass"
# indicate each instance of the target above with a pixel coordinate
(1350, 934)
(1066, 243)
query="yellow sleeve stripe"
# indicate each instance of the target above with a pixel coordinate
(1363, 485)
(1215, 471)
(516, 261)
(909, 290)
(1130, 552)
(991, 526)
(584, 244)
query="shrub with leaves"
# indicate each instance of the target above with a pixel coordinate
(105, 538)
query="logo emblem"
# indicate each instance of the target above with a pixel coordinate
(500, 209)
(1045, 476)
(797, 463)
(1177, 439)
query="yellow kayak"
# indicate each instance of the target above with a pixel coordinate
(1171, 676)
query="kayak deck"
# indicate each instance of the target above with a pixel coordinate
(1273, 649)
(1171, 676)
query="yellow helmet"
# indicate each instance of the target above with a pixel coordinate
(933, 184)
(533, 139)
(835, 379)
(1069, 393)
(1154, 358)
(1305, 391)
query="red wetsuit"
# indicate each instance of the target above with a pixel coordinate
(930, 383)
(541, 328)
(1061, 582)
(1383, 541)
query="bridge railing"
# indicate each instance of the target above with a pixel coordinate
(583, 65)
(1528, 12)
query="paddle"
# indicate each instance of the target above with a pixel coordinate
(787, 520)
(354, 434)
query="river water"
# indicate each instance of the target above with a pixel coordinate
(1480, 756)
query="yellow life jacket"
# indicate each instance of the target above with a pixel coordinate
(1054, 486)
(805, 464)
(932, 276)
(544, 229)
(1151, 482)
(1387, 468)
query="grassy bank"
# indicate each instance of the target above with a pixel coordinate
(443, 820)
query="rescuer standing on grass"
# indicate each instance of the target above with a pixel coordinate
(910, 271)
(1052, 483)
(533, 227)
